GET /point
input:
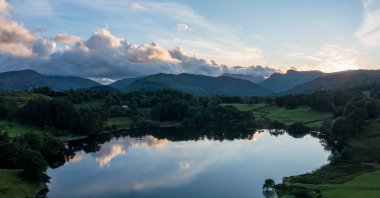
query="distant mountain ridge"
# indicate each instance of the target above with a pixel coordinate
(339, 81)
(254, 79)
(292, 82)
(195, 84)
(29, 79)
(278, 82)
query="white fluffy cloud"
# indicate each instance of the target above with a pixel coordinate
(15, 39)
(102, 56)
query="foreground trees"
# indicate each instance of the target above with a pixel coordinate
(62, 115)
(31, 152)
(33, 164)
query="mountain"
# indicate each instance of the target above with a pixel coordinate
(123, 84)
(254, 79)
(29, 79)
(278, 82)
(340, 81)
(21, 80)
(198, 84)
(67, 82)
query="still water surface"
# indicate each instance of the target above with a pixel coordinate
(147, 166)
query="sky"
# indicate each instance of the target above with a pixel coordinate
(112, 39)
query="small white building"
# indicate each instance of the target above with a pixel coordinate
(124, 106)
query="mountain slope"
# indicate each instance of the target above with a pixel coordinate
(340, 81)
(278, 82)
(29, 79)
(199, 85)
(123, 83)
(21, 80)
(67, 82)
(254, 79)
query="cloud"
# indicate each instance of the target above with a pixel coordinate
(147, 53)
(64, 38)
(3, 8)
(369, 31)
(43, 48)
(105, 56)
(211, 40)
(108, 152)
(183, 165)
(250, 70)
(182, 27)
(329, 58)
(137, 7)
(15, 39)
(118, 147)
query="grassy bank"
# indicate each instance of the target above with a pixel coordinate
(13, 185)
(365, 185)
(286, 116)
(357, 176)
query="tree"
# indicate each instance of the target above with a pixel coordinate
(373, 109)
(34, 140)
(3, 108)
(8, 155)
(358, 117)
(354, 103)
(91, 121)
(44, 90)
(34, 165)
(298, 130)
(269, 184)
(341, 128)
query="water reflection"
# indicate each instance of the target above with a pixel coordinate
(181, 163)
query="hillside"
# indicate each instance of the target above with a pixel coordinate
(21, 80)
(67, 82)
(199, 84)
(123, 83)
(29, 79)
(254, 79)
(278, 82)
(340, 81)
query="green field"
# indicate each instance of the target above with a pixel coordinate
(121, 122)
(366, 185)
(13, 185)
(16, 129)
(286, 116)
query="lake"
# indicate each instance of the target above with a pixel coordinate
(173, 163)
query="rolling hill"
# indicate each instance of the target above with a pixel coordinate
(29, 79)
(278, 82)
(340, 81)
(198, 84)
